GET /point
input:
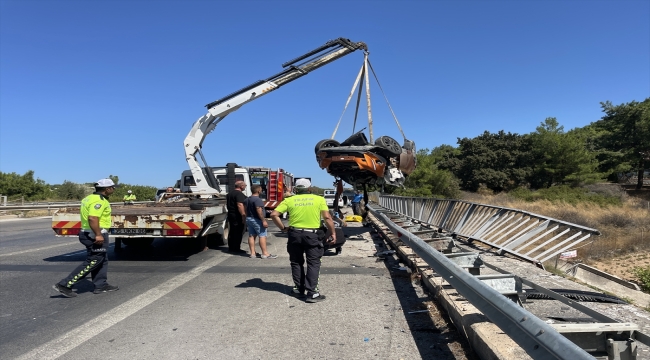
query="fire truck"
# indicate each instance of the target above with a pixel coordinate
(274, 184)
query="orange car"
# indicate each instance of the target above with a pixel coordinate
(357, 161)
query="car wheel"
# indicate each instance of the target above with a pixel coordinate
(389, 144)
(327, 143)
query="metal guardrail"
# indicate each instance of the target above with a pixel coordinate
(529, 236)
(52, 205)
(536, 337)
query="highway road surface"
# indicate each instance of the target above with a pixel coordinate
(176, 304)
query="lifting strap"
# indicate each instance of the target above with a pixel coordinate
(347, 102)
(382, 92)
(362, 78)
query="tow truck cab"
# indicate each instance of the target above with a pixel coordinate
(226, 175)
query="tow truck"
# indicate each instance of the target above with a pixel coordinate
(204, 217)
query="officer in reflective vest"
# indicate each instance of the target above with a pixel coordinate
(305, 237)
(95, 221)
(129, 198)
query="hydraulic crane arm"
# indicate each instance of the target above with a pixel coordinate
(206, 184)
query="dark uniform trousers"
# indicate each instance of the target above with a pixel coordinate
(96, 263)
(301, 245)
(235, 232)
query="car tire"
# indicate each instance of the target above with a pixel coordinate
(327, 143)
(389, 144)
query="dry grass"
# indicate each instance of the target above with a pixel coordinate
(625, 229)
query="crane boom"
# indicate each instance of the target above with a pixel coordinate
(206, 184)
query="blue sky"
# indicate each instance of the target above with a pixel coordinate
(92, 88)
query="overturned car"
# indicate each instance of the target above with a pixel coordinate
(358, 161)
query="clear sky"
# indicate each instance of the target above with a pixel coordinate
(92, 88)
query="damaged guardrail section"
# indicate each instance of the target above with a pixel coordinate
(537, 338)
(529, 236)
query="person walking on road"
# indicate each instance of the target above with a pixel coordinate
(256, 222)
(129, 198)
(95, 214)
(356, 203)
(305, 237)
(236, 217)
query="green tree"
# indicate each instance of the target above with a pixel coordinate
(71, 191)
(627, 134)
(16, 186)
(500, 161)
(428, 180)
(115, 178)
(561, 158)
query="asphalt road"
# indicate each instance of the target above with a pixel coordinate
(174, 303)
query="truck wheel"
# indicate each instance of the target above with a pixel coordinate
(201, 243)
(389, 144)
(215, 240)
(327, 143)
(118, 245)
(136, 242)
(202, 203)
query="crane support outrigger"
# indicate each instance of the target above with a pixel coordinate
(206, 184)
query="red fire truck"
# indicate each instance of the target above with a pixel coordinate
(274, 183)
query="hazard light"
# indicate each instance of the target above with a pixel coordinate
(68, 231)
(180, 232)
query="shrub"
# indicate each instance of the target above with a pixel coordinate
(616, 219)
(643, 274)
(566, 194)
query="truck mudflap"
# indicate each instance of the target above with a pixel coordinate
(213, 226)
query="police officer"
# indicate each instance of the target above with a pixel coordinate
(95, 221)
(305, 238)
(129, 198)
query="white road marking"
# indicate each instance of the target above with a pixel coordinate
(38, 249)
(61, 345)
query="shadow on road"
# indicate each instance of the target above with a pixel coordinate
(267, 286)
(160, 250)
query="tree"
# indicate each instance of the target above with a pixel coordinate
(561, 158)
(115, 178)
(427, 179)
(500, 161)
(71, 191)
(16, 186)
(627, 134)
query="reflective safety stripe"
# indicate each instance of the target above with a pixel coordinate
(181, 225)
(82, 273)
(66, 224)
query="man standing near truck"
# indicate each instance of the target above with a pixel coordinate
(305, 237)
(356, 203)
(95, 214)
(236, 217)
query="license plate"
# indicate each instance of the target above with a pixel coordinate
(128, 231)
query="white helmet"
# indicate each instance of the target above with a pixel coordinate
(129, 191)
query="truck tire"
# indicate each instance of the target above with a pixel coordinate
(201, 243)
(118, 245)
(327, 143)
(135, 242)
(215, 240)
(202, 203)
